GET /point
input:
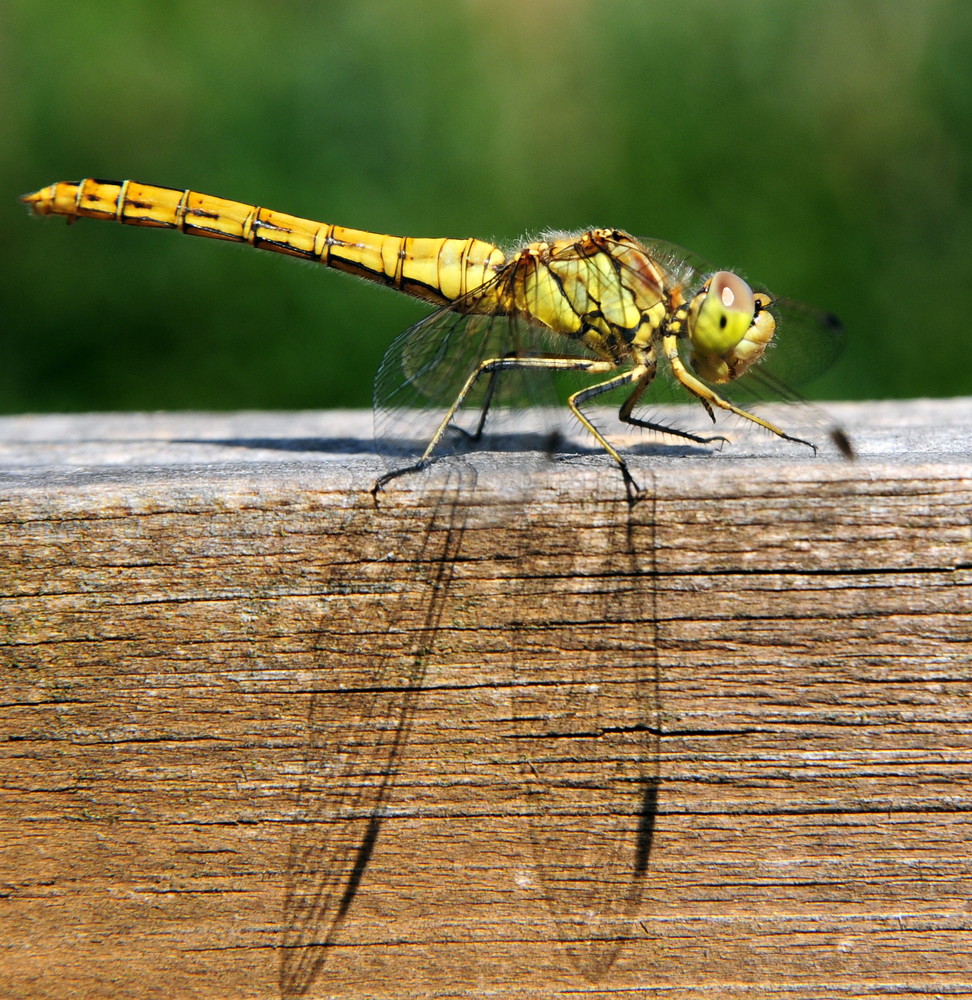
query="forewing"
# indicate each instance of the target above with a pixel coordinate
(807, 343)
(684, 269)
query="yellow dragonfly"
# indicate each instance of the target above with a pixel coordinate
(601, 304)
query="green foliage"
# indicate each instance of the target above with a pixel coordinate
(823, 149)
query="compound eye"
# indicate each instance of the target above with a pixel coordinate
(732, 292)
(724, 316)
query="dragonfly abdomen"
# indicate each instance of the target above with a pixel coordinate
(437, 270)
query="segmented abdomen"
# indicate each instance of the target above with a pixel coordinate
(438, 270)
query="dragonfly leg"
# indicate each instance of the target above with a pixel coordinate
(495, 365)
(488, 366)
(709, 397)
(382, 481)
(641, 375)
(492, 367)
(487, 402)
(624, 415)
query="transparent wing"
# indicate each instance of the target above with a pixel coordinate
(428, 366)
(684, 269)
(807, 343)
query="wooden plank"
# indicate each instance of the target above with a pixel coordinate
(502, 735)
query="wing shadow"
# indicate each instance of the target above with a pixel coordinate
(372, 666)
(589, 745)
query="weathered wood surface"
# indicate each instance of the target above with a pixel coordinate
(504, 736)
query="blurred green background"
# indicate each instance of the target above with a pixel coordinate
(823, 148)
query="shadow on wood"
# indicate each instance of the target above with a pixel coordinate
(505, 734)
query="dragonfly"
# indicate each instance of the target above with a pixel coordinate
(599, 304)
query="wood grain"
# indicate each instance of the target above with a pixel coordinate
(503, 734)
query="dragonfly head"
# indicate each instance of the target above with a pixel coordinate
(729, 327)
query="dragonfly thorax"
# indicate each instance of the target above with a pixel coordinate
(598, 287)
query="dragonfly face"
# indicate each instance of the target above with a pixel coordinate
(728, 327)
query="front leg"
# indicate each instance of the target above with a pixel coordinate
(624, 414)
(709, 397)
